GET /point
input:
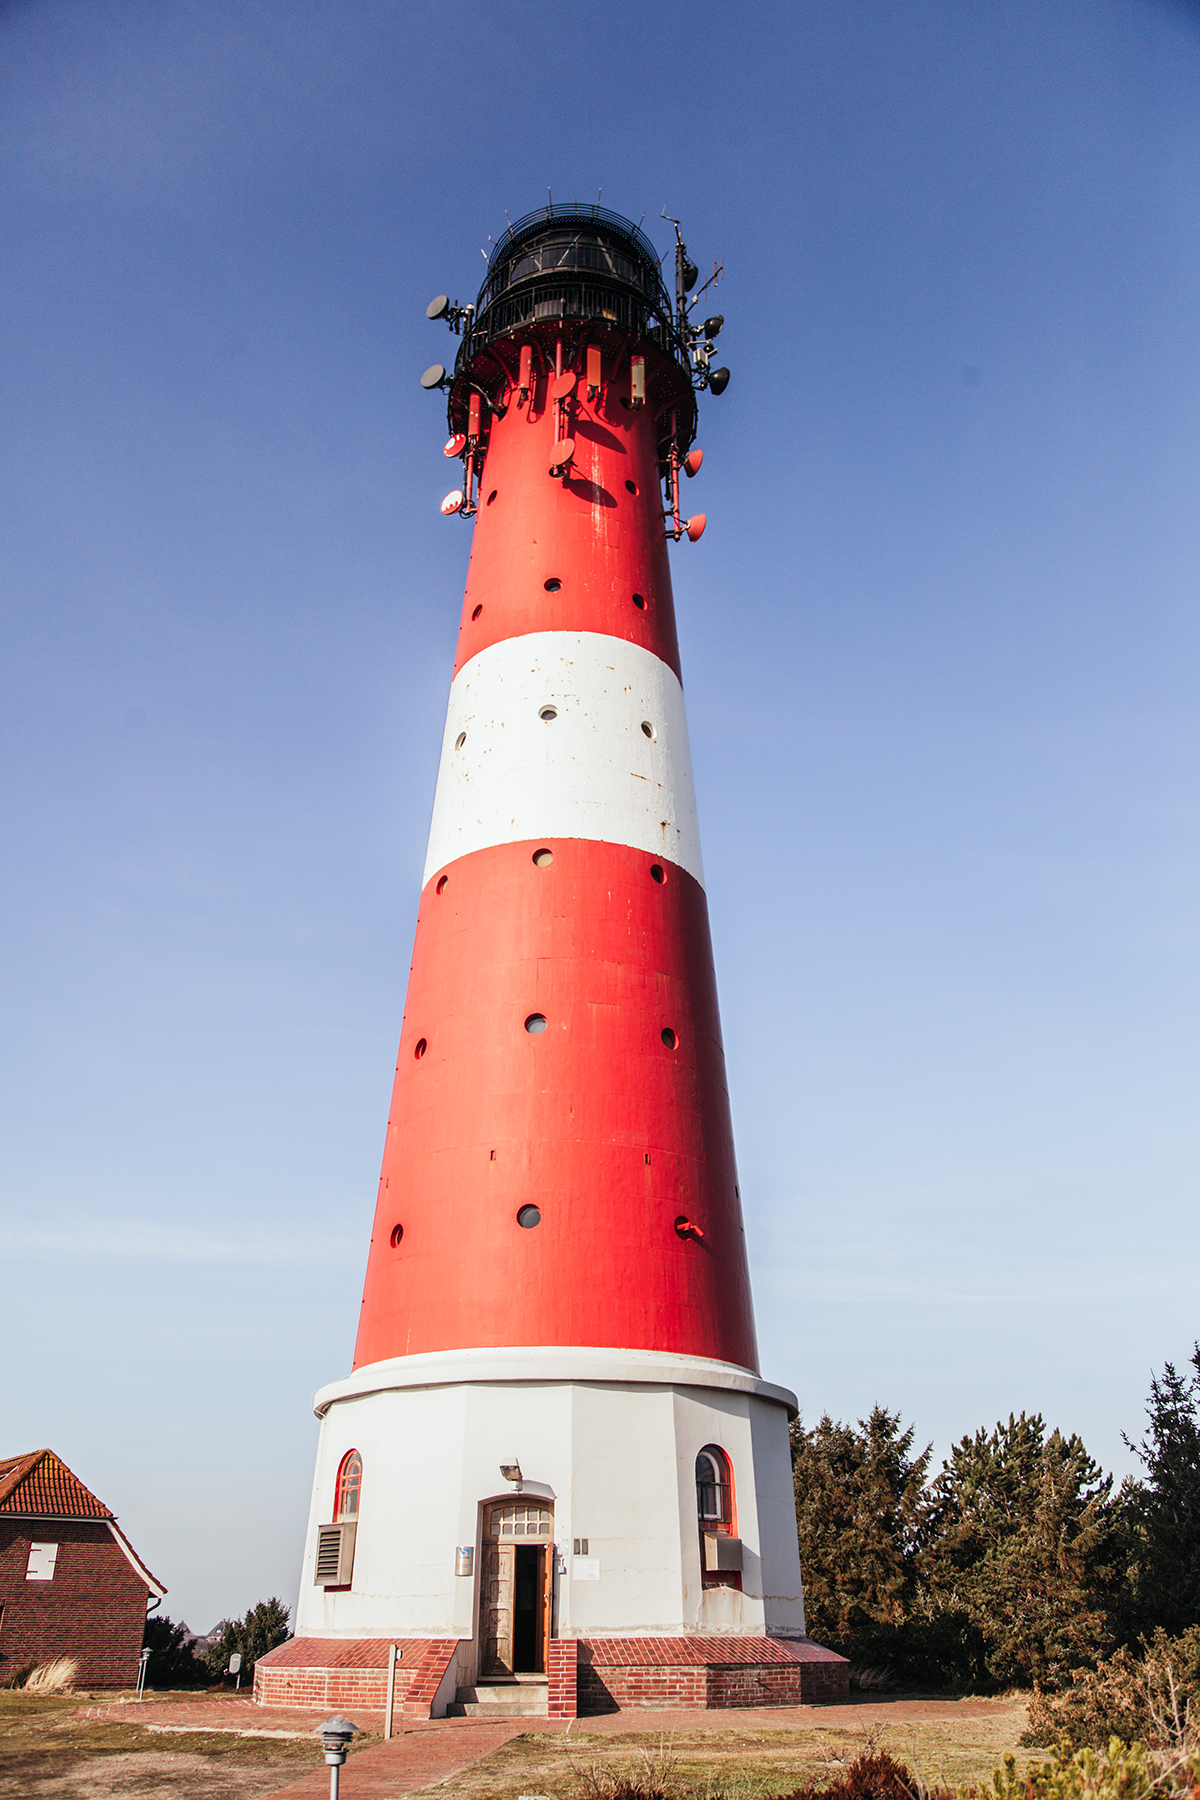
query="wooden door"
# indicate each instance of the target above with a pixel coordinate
(498, 1560)
(547, 1602)
(507, 1524)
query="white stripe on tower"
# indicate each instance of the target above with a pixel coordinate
(565, 734)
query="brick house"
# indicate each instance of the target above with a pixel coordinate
(71, 1583)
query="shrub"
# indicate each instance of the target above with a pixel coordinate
(875, 1775)
(1119, 1772)
(1126, 1696)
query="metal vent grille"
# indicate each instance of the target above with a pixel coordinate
(335, 1556)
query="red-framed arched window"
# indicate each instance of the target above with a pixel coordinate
(714, 1490)
(349, 1487)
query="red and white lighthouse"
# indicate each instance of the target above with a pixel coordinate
(555, 1461)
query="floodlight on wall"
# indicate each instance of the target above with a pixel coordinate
(511, 1471)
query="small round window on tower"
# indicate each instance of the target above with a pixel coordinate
(419, 1048)
(552, 586)
(632, 486)
(648, 730)
(442, 884)
(668, 1037)
(397, 1234)
(639, 600)
(547, 713)
(543, 858)
(528, 1217)
(477, 611)
(535, 1024)
(460, 740)
(657, 873)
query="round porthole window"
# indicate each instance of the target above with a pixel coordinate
(657, 873)
(632, 486)
(535, 1024)
(528, 1217)
(543, 858)
(419, 1048)
(552, 586)
(460, 740)
(547, 713)
(668, 1037)
(397, 1234)
(648, 730)
(477, 611)
(441, 886)
(639, 600)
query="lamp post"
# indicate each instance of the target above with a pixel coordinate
(335, 1735)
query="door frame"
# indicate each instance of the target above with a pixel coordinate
(548, 1559)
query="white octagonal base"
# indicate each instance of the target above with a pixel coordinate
(608, 1438)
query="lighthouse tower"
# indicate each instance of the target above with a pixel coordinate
(555, 1468)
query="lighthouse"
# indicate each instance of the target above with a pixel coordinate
(554, 1477)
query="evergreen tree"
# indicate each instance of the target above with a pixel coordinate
(861, 1507)
(1026, 1540)
(263, 1627)
(173, 1663)
(1164, 1509)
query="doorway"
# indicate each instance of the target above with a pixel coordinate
(516, 1588)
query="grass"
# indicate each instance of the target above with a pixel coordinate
(42, 1740)
(705, 1762)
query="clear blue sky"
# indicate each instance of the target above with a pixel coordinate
(940, 651)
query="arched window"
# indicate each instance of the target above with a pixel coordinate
(348, 1487)
(714, 1490)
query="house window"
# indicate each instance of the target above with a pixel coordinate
(348, 1488)
(42, 1558)
(714, 1507)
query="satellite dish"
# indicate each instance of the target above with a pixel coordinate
(712, 326)
(718, 381)
(438, 307)
(564, 385)
(691, 276)
(434, 376)
(695, 527)
(453, 502)
(454, 446)
(561, 454)
(692, 461)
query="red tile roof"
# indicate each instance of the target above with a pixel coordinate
(40, 1485)
(685, 1651)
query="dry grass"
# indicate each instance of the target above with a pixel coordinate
(56, 1677)
(48, 1752)
(720, 1762)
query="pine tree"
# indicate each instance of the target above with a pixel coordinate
(1165, 1508)
(173, 1663)
(861, 1506)
(1026, 1540)
(263, 1627)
